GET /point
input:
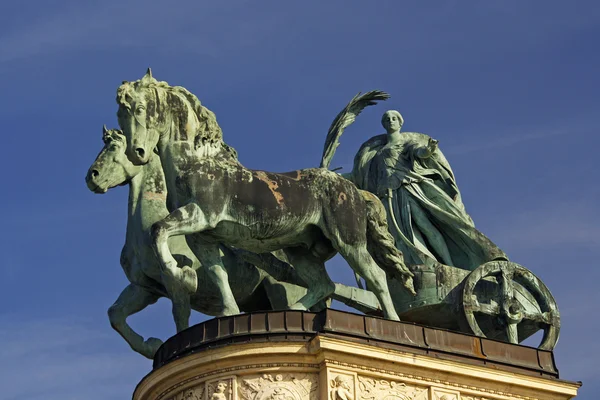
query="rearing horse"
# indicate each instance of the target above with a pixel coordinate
(309, 214)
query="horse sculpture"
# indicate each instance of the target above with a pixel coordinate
(309, 214)
(253, 288)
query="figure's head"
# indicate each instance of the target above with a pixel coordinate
(392, 121)
(112, 167)
(342, 381)
(140, 116)
(221, 386)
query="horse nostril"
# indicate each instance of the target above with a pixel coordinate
(140, 152)
(94, 173)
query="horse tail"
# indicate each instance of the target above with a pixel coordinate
(381, 244)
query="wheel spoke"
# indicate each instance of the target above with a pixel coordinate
(483, 308)
(508, 290)
(510, 303)
(546, 318)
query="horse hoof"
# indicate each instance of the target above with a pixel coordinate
(151, 346)
(189, 279)
(392, 317)
(298, 307)
(230, 311)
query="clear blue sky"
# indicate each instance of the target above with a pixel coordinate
(509, 88)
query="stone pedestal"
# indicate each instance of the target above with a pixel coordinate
(334, 355)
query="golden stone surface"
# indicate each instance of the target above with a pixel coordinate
(327, 368)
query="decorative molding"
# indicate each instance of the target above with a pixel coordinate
(429, 380)
(201, 377)
(381, 389)
(289, 386)
(341, 382)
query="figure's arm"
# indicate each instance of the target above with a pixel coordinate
(427, 151)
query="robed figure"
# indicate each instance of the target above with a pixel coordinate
(410, 174)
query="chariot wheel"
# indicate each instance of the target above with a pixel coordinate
(503, 302)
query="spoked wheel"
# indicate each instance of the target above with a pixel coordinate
(505, 302)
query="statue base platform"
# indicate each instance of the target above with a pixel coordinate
(294, 355)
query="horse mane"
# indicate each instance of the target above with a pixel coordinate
(209, 131)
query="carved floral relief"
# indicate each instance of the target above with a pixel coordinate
(288, 386)
(380, 389)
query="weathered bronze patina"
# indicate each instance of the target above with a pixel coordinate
(217, 237)
(274, 285)
(440, 243)
(214, 199)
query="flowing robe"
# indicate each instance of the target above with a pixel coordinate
(421, 198)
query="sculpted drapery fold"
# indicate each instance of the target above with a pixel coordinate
(426, 214)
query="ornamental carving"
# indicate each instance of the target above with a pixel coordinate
(342, 387)
(221, 389)
(379, 389)
(279, 387)
(444, 394)
(195, 393)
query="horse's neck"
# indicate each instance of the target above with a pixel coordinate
(147, 197)
(178, 156)
(182, 130)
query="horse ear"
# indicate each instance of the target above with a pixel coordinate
(148, 74)
(148, 77)
(104, 130)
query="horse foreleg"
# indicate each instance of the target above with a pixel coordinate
(187, 220)
(132, 300)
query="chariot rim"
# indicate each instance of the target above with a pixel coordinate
(508, 308)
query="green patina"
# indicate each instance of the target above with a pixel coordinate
(217, 237)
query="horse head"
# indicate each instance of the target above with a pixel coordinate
(139, 116)
(153, 114)
(112, 167)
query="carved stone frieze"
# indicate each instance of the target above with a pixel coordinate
(287, 386)
(221, 389)
(380, 389)
(343, 387)
(195, 393)
(444, 394)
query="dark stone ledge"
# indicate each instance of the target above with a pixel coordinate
(300, 326)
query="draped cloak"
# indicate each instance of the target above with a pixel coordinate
(423, 185)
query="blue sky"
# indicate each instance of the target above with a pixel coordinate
(509, 88)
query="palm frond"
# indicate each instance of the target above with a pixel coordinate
(345, 118)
